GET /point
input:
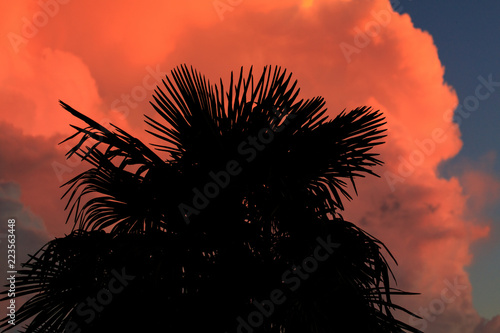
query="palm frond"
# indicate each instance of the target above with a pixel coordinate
(294, 169)
(123, 177)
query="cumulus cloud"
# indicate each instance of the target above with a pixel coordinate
(38, 166)
(478, 180)
(491, 326)
(30, 232)
(353, 54)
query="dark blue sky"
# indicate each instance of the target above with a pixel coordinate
(467, 34)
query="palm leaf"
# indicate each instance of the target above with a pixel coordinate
(295, 166)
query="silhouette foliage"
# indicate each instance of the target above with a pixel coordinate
(253, 179)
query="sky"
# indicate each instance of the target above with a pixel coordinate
(467, 39)
(432, 68)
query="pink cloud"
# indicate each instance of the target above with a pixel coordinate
(106, 60)
(491, 326)
(29, 231)
(479, 182)
(29, 161)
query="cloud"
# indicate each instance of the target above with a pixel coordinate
(353, 54)
(32, 91)
(491, 326)
(32, 163)
(478, 180)
(30, 232)
(419, 215)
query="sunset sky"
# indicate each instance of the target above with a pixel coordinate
(436, 203)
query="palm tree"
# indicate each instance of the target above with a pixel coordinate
(238, 230)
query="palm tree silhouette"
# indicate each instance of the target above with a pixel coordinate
(238, 230)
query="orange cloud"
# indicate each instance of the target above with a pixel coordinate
(29, 161)
(105, 58)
